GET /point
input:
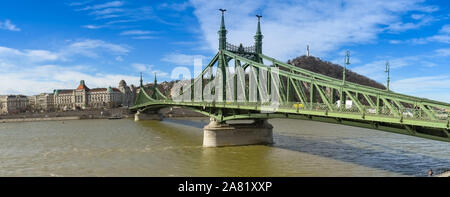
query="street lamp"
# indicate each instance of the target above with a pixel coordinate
(388, 73)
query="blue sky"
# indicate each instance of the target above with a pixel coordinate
(55, 44)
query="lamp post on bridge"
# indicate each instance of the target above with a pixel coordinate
(342, 94)
(388, 73)
(347, 62)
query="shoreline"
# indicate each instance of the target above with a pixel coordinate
(16, 120)
(39, 119)
(94, 114)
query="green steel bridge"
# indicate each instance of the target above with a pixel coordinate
(298, 94)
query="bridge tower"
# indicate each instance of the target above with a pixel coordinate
(222, 62)
(218, 133)
(147, 114)
(222, 32)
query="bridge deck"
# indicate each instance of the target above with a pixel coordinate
(278, 90)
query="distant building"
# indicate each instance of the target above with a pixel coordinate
(46, 101)
(41, 102)
(33, 102)
(13, 104)
(86, 98)
(128, 93)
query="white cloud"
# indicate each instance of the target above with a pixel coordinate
(445, 29)
(417, 16)
(79, 3)
(376, 69)
(119, 58)
(433, 87)
(443, 52)
(10, 56)
(31, 71)
(443, 36)
(120, 13)
(141, 67)
(182, 59)
(107, 11)
(289, 25)
(135, 32)
(94, 26)
(7, 25)
(400, 26)
(144, 37)
(92, 48)
(104, 5)
(119, 21)
(395, 41)
(439, 38)
(175, 6)
(46, 78)
(149, 69)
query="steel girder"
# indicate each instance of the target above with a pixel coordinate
(307, 95)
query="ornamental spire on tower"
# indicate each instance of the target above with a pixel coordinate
(222, 32)
(258, 36)
(141, 84)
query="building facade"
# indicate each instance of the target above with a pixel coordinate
(41, 102)
(85, 98)
(70, 99)
(13, 104)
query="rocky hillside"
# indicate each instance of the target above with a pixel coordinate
(327, 68)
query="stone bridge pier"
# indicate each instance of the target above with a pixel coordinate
(147, 115)
(217, 134)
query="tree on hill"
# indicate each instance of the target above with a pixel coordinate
(327, 68)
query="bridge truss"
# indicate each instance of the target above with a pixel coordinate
(300, 93)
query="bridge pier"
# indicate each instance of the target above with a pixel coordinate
(217, 134)
(147, 116)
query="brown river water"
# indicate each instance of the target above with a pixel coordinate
(173, 147)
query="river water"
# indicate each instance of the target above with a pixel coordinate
(173, 147)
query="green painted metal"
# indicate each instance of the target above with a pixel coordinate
(372, 108)
(388, 69)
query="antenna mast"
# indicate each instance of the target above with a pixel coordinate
(307, 50)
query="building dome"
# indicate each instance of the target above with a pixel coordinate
(110, 90)
(82, 86)
(122, 83)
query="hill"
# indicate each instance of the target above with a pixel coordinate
(327, 68)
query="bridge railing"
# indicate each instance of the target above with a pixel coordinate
(240, 49)
(297, 107)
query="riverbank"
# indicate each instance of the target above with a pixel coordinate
(92, 114)
(39, 119)
(66, 115)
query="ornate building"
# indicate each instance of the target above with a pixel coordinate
(41, 102)
(128, 93)
(86, 98)
(12, 104)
